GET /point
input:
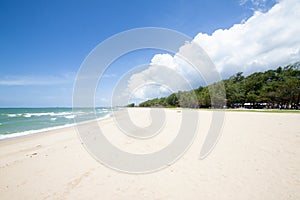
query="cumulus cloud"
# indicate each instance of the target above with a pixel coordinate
(265, 40)
(167, 74)
(155, 81)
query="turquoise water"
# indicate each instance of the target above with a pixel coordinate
(22, 121)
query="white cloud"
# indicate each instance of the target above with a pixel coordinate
(265, 40)
(256, 5)
(254, 2)
(35, 80)
(156, 81)
(167, 74)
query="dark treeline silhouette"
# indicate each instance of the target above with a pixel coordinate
(279, 88)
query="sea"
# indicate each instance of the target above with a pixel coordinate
(16, 122)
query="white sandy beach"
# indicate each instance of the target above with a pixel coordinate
(257, 157)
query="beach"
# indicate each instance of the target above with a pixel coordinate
(256, 157)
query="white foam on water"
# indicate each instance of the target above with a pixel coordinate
(27, 115)
(46, 114)
(70, 116)
(40, 114)
(30, 132)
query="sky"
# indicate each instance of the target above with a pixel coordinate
(44, 43)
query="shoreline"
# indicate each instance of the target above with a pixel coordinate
(39, 131)
(257, 157)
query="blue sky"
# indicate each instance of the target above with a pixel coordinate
(43, 43)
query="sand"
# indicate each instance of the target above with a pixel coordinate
(257, 157)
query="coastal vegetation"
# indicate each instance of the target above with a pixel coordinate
(278, 88)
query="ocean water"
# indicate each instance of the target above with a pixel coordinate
(23, 121)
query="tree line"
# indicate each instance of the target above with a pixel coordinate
(279, 88)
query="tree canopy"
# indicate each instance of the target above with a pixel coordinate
(277, 88)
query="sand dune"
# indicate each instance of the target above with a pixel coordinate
(257, 157)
